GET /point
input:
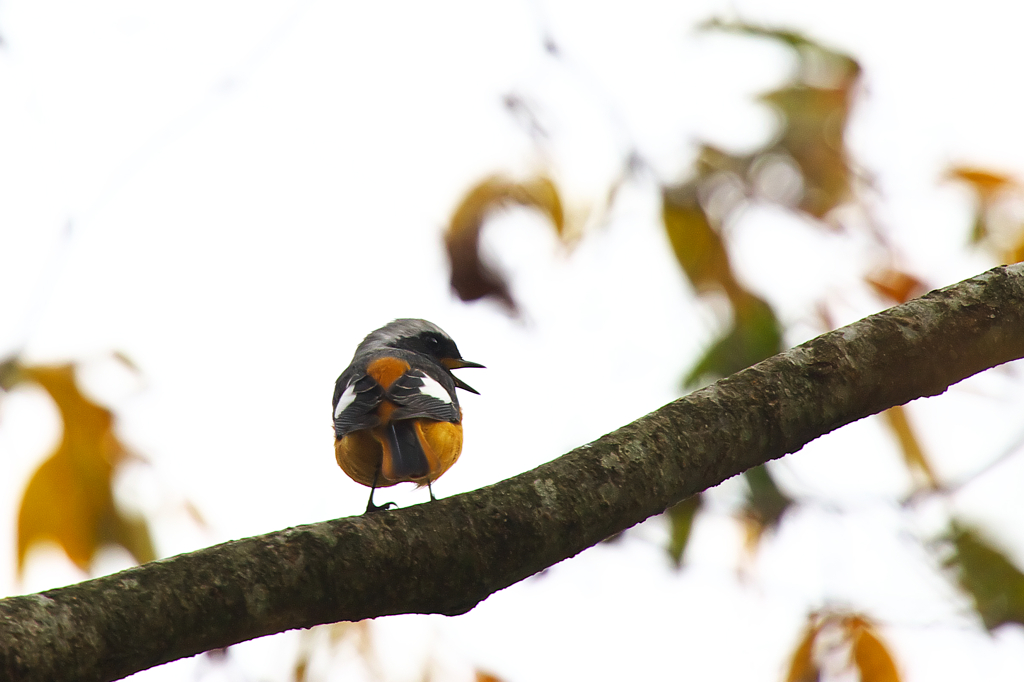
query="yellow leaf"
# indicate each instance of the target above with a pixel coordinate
(482, 676)
(698, 247)
(471, 278)
(989, 188)
(985, 182)
(69, 498)
(301, 668)
(541, 193)
(913, 453)
(1015, 254)
(870, 655)
(802, 667)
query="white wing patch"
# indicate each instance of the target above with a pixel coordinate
(345, 399)
(434, 390)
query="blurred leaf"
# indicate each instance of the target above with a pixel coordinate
(10, 374)
(1015, 254)
(698, 247)
(328, 639)
(472, 278)
(301, 668)
(910, 446)
(987, 187)
(984, 182)
(814, 108)
(123, 358)
(992, 580)
(812, 134)
(895, 285)
(482, 676)
(69, 499)
(755, 335)
(802, 667)
(873, 660)
(791, 38)
(193, 513)
(765, 500)
(712, 161)
(681, 516)
(764, 506)
(979, 226)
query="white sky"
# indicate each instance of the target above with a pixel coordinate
(239, 178)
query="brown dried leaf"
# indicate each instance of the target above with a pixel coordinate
(814, 108)
(895, 285)
(471, 277)
(814, 125)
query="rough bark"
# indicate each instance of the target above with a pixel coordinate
(451, 554)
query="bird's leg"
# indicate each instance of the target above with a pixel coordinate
(370, 506)
(431, 491)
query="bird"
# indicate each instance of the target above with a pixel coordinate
(396, 415)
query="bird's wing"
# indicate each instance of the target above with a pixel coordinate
(355, 400)
(417, 394)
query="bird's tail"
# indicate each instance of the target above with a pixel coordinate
(404, 459)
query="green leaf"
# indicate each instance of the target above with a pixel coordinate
(764, 506)
(681, 517)
(755, 335)
(984, 572)
(765, 500)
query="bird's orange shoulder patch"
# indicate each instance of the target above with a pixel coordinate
(386, 370)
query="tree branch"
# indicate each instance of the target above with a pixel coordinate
(447, 556)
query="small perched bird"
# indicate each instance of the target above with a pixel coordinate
(396, 415)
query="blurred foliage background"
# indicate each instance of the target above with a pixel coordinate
(803, 168)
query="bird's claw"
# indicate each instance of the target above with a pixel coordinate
(371, 507)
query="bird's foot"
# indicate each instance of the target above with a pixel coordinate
(371, 507)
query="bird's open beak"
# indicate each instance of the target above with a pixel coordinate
(459, 363)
